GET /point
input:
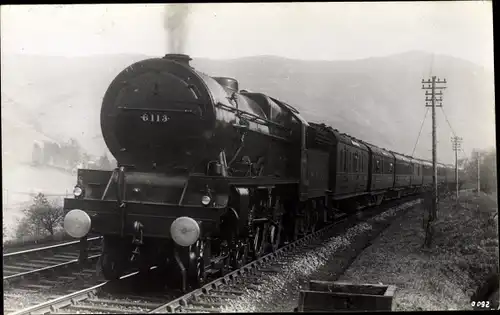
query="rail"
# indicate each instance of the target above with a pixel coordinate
(250, 268)
(46, 248)
(90, 294)
(18, 265)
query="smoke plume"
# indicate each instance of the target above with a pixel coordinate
(176, 25)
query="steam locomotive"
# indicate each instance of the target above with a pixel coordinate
(210, 177)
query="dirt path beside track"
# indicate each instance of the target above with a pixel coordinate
(464, 254)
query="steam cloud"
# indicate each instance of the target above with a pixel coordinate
(176, 25)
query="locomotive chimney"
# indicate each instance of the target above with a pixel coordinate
(228, 83)
(180, 58)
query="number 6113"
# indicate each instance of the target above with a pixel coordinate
(155, 117)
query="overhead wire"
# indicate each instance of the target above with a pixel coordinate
(465, 156)
(446, 117)
(427, 111)
(444, 113)
(453, 132)
(421, 126)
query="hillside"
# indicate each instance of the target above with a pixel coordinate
(61, 96)
(376, 99)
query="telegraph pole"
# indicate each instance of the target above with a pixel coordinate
(456, 141)
(431, 97)
(478, 176)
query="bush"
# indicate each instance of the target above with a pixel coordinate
(41, 218)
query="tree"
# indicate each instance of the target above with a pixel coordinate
(26, 230)
(47, 152)
(113, 162)
(85, 159)
(36, 157)
(104, 163)
(41, 215)
(72, 152)
(487, 169)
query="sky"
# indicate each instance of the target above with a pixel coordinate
(311, 31)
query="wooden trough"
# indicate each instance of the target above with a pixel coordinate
(323, 296)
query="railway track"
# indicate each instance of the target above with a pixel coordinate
(104, 298)
(212, 297)
(223, 293)
(45, 260)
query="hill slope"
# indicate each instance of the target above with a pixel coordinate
(377, 99)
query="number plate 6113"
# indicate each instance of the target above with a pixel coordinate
(155, 118)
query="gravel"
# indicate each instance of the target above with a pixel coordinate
(15, 300)
(21, 296)
(279, 292)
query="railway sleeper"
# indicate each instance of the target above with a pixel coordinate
(207, 304)
(217, 296)
(200, 309)
(125, 303)
(49, 261)
(227, 292)
(32, 265)
(53, 282)
(104, 309)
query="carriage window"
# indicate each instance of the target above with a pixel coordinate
(377, 167)
(391, 167)
(341, 165)
(355, 162)
(345, 160)
(350, 167)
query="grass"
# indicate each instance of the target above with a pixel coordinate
(464, 253)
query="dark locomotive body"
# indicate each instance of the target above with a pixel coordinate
(210, 177)
(161, 115)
